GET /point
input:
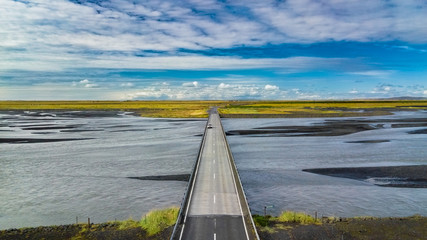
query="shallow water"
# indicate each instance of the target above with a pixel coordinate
(273, 177)
(55, 182)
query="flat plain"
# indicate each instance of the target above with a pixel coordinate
(230, 109)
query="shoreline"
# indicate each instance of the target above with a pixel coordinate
(269, 228)
(412, 176)
(228, 108)
(327, 129)
(333, 228)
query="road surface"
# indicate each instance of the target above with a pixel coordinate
(214, 210)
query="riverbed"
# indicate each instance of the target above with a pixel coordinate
(56, 166)
(271, 154)
(84, 172)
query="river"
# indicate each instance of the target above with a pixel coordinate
(56, 166)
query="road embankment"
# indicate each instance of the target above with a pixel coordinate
(414, 227)
(407, 228)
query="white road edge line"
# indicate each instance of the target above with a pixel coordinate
(237, 192)
(192, 187)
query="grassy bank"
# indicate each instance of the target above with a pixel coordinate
(294, 109)
(163, 109)
(293, 225)
(156, 224)
(198, 109)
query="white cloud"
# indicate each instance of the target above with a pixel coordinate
(374, 73)
(314, 21)
(228, 91)
(91, 85)
(71, 32)
(85, 83)
(191, 84)
(271, 87)
(43, 35)
(287, 65)
(386, 90)
(223, 85)
(408, 48)
(225, 91)
(128, 84)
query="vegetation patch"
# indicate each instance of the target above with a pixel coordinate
(261, 221)
(294, 225)
(317, 108)
(297, 217)
(161, 109)
(157, 224)
(198, 109)
(157, 220)
(153, 222)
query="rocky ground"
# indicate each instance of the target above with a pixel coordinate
(410, 228)
(104, 231)
(391, 176)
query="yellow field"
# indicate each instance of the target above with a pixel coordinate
(319, 108)
(198, 109)
(165, 109)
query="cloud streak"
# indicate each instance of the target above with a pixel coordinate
(206, 92)
(282, 38)
(62, 34)
(129, 26)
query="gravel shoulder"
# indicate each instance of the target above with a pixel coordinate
(409, 228)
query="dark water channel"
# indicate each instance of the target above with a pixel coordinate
(56, 166)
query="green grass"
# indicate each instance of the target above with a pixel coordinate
(157, 220)
(285, 217)
(319, 108)
(261, 220)
(297, 217)
(162, 109)
(198, 109)
(154, 222)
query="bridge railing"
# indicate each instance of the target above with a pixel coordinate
(247, 215)
(186, 199)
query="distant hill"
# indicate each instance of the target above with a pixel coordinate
(404, 98)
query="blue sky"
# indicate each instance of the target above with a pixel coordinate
(206, 49)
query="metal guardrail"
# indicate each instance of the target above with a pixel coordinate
(249, 223)
(247, 215)
(185, 201)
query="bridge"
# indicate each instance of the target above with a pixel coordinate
(214, 205)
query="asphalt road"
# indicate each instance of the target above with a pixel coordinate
(214, 211)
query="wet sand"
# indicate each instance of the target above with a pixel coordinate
(408, 228)
(369, 141)
(176, 177)
(333, 127)
(38, 140)
(421, 131)
(393, 176)
(102, 231)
